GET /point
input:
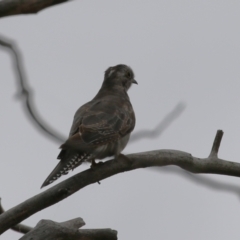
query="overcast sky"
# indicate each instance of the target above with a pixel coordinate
(181, 52)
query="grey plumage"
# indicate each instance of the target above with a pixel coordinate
(101, 127)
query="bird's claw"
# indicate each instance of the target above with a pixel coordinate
(94, 164)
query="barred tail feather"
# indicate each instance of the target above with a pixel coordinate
(69, 161)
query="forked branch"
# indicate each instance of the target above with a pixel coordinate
(73, 184)
(48, 230)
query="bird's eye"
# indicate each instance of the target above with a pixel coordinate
(129, 75)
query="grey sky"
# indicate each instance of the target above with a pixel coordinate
(180, 51)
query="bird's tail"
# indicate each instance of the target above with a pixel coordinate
(68, 161)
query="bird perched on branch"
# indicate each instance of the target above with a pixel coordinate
(101, 127)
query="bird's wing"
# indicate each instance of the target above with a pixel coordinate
(81, 112)
(103, 122)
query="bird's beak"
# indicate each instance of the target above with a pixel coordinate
(134, 81)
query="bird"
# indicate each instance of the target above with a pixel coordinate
(101, 127)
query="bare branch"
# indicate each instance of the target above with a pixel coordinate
(73, 223)
(25, 92)
(48, 230)
(15, 7)
(19, 227)
(159, 158)
(216, 144)
(200, 180)
(163, 125)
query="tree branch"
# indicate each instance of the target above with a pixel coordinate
(159, 158)
(19, 227)
(48, 230)
(163, 125)
(26, 94)
(15, 7)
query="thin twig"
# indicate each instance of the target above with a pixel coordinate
(162, 126)
(216, 144)
(25, 92)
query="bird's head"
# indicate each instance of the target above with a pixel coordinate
(120, 76)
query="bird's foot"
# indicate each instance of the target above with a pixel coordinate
(94, 164)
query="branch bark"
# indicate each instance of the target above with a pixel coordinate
(15, 7)
(159, 158)
(48, 230)
(21, 228)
